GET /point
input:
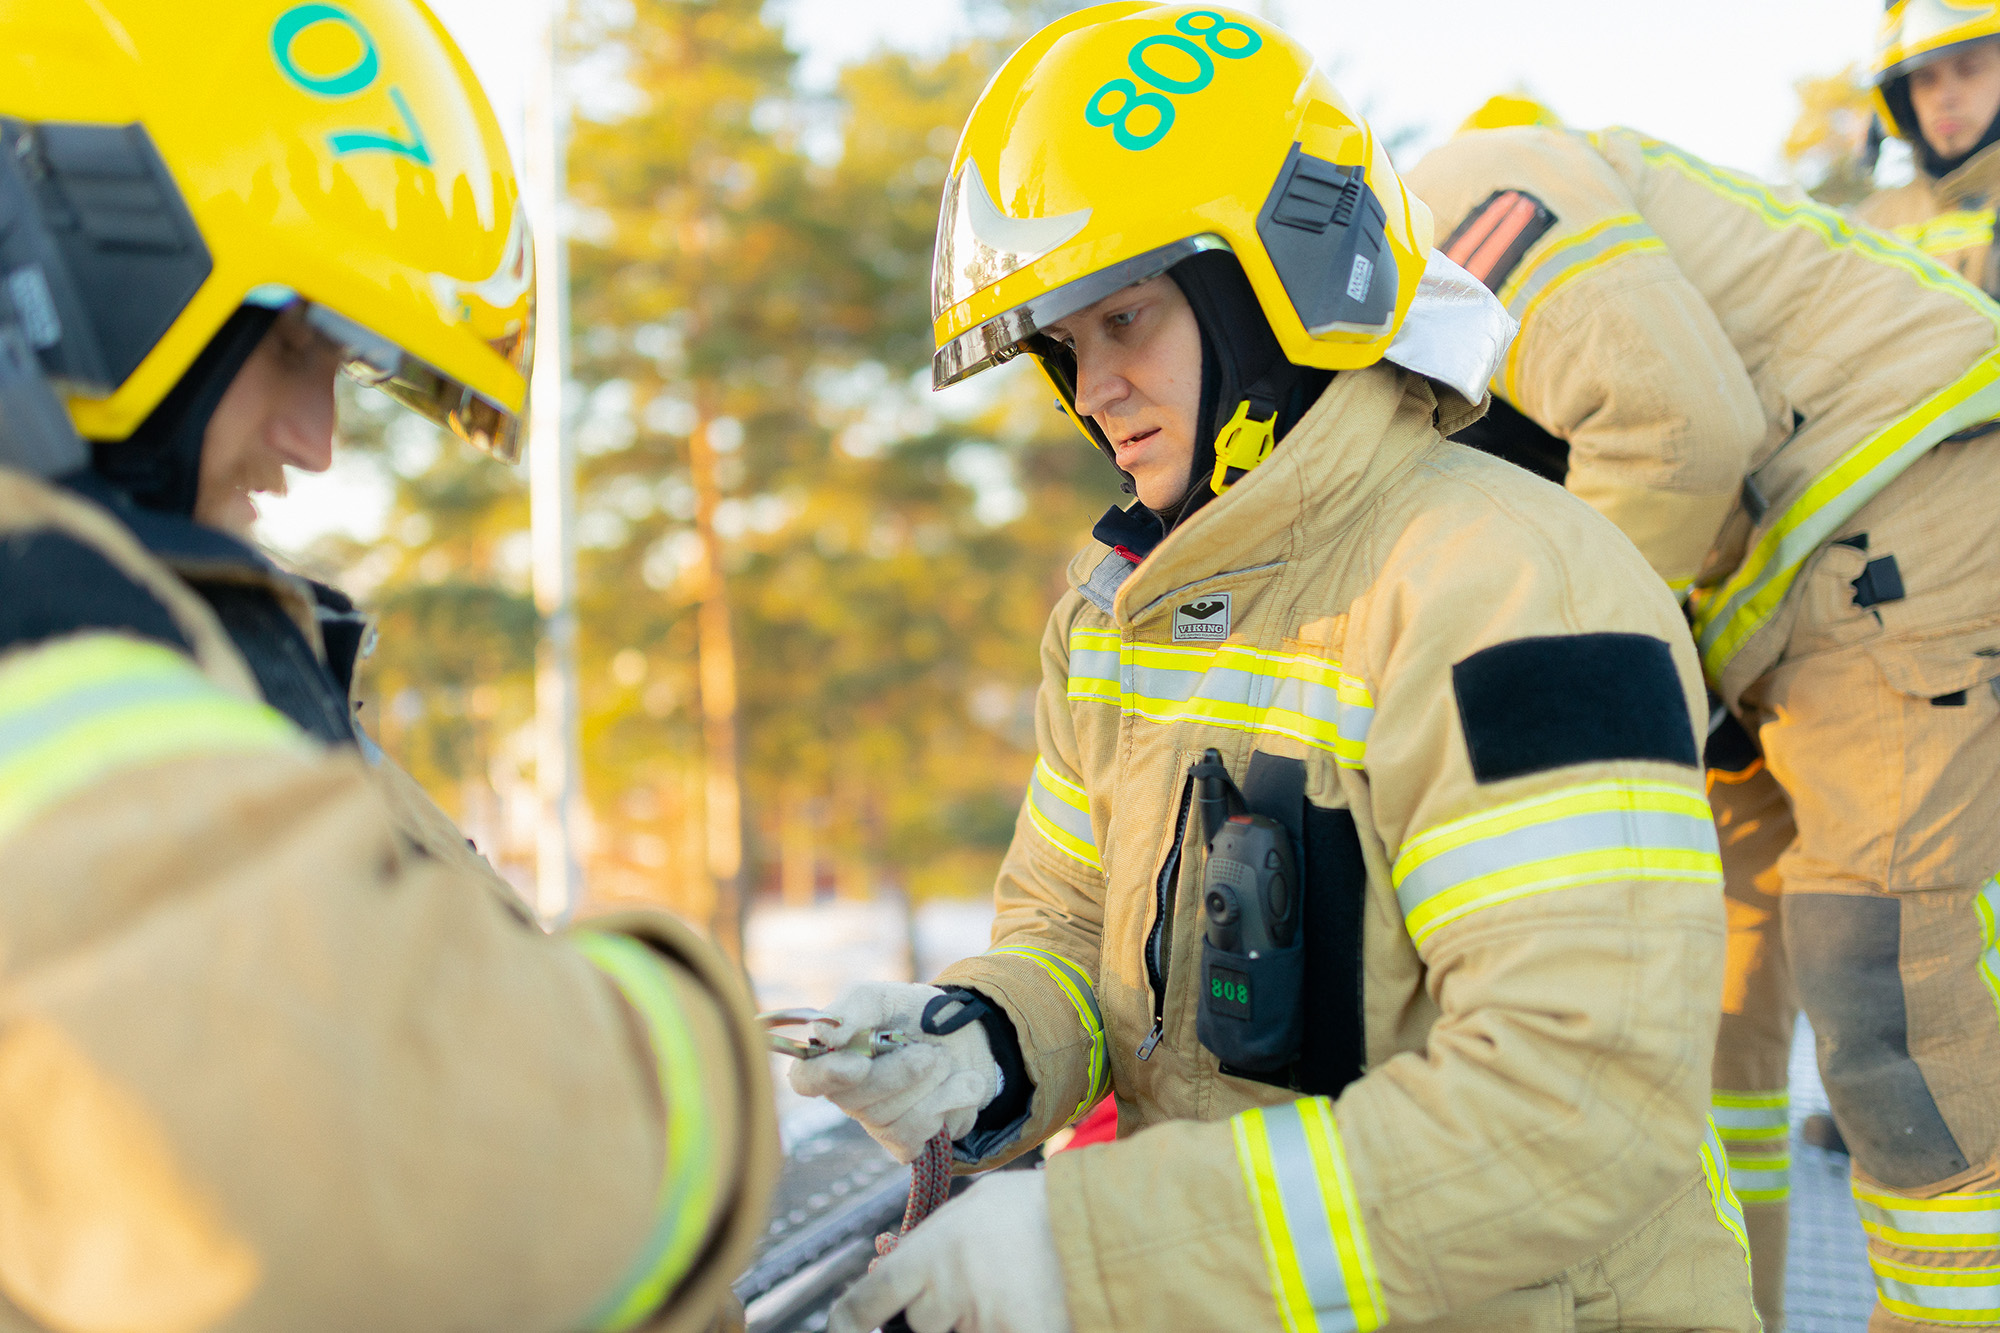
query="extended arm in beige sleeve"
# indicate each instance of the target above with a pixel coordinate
(262, 1066)
(1048, 931)
(1618, 354)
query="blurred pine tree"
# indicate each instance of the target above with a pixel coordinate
(762, 465)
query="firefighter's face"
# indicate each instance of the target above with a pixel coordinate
(1956, 97)
(277, 413)
(1138, 376)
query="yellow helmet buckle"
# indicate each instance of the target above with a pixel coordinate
(1241, 445)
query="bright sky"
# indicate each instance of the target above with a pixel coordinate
(1713, 76)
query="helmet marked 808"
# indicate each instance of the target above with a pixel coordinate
(342, 155)
(1123, 138)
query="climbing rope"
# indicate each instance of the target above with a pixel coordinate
(930, 1186)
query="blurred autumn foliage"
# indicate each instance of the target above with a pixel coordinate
(764, 473)
(1829, 149)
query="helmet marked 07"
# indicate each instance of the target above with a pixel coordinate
(340, 155)
(1125, 137)
(1914, 33)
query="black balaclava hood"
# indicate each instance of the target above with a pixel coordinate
(1239, 353)
(1897, 95)
(159, 464)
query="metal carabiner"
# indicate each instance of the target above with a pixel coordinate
(870, 1042)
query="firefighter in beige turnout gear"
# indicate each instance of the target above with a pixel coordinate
(1937, 87)
(1462, 687)
(1792, 419)
(278, 1048)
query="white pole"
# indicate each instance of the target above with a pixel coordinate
(552, 496)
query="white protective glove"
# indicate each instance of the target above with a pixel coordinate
(905, 1096)
(984, 1263)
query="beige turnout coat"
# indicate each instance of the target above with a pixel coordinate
(1949, 218)
(278, 1051)
(1737, 370)
(1541, 937)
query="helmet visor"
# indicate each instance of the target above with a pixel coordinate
(1919, 31)
(999, 338)
(374, 360)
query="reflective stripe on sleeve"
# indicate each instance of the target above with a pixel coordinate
(1060, 812)
(1590, 834)
(79, 709)
(1077, 987)
(1322, 1271)
(1948, 233)
(1562, 263)
(1950, 1222)
(692, 1177)
(1728, 1209)
(1310, 699)
(1727, 617)
(1969, 1296)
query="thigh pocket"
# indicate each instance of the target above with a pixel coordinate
(1944, 715)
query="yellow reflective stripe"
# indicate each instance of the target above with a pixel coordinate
(1589, 834)
(1949, 1222)
(1310, 699)
(1969, 1296)
(1751, 1117)
(1765, 1179)
(1726, 617)
(1829, 226)
(1563, 262)
(1076, 985)
(1987, 907)
(1728, 1209)
(1060, 812)
(1948, 233)
(1093, 664)
(1322, 1271)
(691, 1178)
(79, 709)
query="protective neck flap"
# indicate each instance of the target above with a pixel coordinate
(159, 464)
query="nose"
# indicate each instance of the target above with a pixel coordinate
(1099, 385)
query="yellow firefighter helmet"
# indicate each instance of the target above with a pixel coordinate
(1507, 111)
(267, 152)
(1914, 33)
(1126, 137)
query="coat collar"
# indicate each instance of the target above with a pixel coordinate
(1318, 482)
(1974, 185)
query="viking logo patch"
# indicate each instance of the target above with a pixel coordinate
(1204, 620)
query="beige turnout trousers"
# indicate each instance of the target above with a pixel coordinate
(1859, 856)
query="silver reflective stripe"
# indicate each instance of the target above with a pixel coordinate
(1311, 1229)
(1729, 1118)
(1562, 260)
(24, 731)
(1760, 1184)
(1218, 683)
(1566, 836)
(1101, 588)
(1964, 1291)
(1058, 806)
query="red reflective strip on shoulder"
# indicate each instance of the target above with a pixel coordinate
(1495, 235)
(1508, 230)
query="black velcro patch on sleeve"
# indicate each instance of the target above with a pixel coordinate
(52, 584)
(1494, 236)
(1537, 704)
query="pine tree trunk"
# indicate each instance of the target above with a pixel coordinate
(722, 789)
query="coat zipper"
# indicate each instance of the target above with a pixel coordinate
(1163, 902)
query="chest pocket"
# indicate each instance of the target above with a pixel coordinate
(1293, 1018)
